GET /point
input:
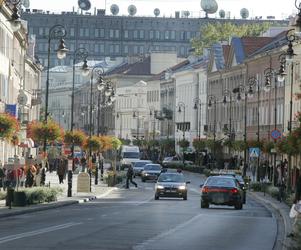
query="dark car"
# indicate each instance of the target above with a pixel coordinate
(221, 190)
(171, 185)
(138, 166)
(151, 172)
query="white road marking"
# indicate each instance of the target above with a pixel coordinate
(37, 232)
(143, 245)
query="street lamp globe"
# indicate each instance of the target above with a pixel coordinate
(62, 50)
(281, 78)
(113, 98)
(85, 69)
(108, 91)
(101, 86)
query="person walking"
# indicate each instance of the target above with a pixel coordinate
(129, 177)
(61, 170)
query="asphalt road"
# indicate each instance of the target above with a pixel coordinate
(132, 219)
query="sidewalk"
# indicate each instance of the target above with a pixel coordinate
(282, 209)
(98, 192)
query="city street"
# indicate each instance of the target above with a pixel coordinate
(132, 219)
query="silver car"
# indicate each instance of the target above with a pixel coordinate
(151, 172)
(138, 166)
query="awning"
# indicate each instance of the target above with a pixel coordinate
(26, 143)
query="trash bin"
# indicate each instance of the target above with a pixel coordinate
(19, 199)
(9, 196)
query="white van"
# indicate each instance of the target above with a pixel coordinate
(128, 155)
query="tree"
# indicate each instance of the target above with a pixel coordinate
(199, 145)
(9, 125)
(217, 32)
(77, 137)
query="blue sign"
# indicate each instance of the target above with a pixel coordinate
(276, 134)
(254, 152)
(11, 109)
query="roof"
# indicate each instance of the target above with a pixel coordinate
(251, 44)
(218, 55)
(142, 67)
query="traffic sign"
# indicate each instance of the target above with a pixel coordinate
(276, 134)
(254, 152)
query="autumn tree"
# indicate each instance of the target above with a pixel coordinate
(217, 32)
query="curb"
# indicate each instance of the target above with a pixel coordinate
(287, 224)
(48, 206)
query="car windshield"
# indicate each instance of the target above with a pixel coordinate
(152, 167)
(220, 182)
(239, 178)
(140, 164)
(134, 155)
(171, 178)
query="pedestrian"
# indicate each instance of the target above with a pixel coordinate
(295, 212)
(61, 170)
(129, 177)
(2, 176)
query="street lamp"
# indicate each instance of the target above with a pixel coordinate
(56, 32)
(136, 115)
(15, 20)
(212, 100)
(79, 54)
(198, 107)
(181, 105)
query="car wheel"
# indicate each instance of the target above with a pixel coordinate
(156, 197)
(185, 197)
(204, 204)
(238, 205)
(244, 198)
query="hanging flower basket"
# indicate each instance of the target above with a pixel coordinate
(105, 143)
(92, 143)
(40, 131)
(9, 125)
(77, 137)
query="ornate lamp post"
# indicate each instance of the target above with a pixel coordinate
(56, 32)
(198, 107)
(181, 105)
(212, 100)
(79, 54)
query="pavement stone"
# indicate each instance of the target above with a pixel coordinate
(98, 192)
(283, 210)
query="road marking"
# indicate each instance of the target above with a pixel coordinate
(151, 241)
(37, 232)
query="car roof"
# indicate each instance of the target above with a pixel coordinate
(153, 164)
(171, 173)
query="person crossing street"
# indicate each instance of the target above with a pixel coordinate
(129, 177)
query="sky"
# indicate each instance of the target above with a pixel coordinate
(281, 9)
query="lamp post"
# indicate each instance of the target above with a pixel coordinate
(136, 115)
(198, 107)
(181, 105)
(212, 98)
(119, 116)
(79, 54)
(270, 74)
(228, 93)
(153, 114)
(55, 32)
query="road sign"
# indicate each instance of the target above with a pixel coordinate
(254, 152)
(276, 134)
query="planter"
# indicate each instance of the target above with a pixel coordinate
(19, 199)
(112, 180)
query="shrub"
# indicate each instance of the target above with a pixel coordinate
(2, 195)
(273, 191)
(38, 195)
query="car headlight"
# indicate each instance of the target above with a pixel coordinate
(160, 187)
(182, 187)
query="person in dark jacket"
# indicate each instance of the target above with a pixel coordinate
(129, 177)
(62, 168)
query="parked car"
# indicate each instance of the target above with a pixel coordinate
(221, 190)
(171, 185)
(138, 166)
(174, 160)
(151, 171)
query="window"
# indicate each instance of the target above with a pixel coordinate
(126, 34)
(99, 32)
(111, 33)
(135, 49)
(111, 49)
(166, 36)
(141, 49)
(81, 32)
(96, 48)
(40, 47)
(102, 48)
(182, 35)
(72, 46)
(141, 34)
(135, 34)
(172, 34)
(117, 48)
(151, 34)
(157, 34)
(87, 32)
(126, 49)
(188, 35)
(71, 31)
(41, 31)
(117, 33)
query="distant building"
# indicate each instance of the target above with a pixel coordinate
(118, 36)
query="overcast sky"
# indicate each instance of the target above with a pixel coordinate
(278, 8)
